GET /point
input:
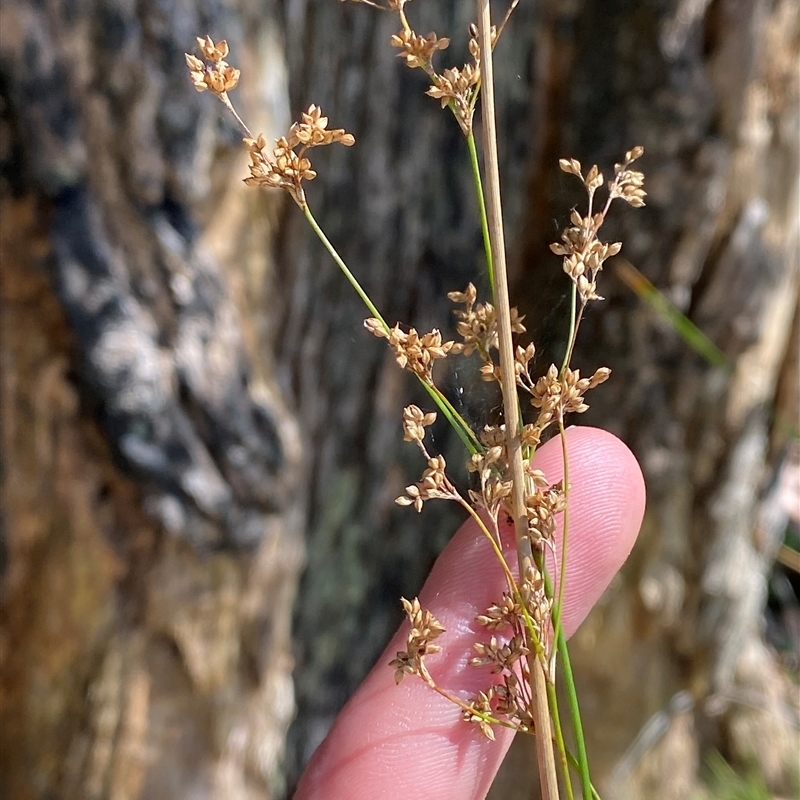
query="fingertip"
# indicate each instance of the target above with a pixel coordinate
(390, 741)
(607, 501)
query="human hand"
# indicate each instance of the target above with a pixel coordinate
(407, 741)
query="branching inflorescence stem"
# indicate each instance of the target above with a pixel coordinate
(529, 613)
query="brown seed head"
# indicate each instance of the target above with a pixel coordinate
(416, 50)
(214, 74)
(415, 422)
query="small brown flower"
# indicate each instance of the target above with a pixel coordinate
(415, 422)
(418, 51)
(584, 254)
(215, 74)
(413, 352)
(480, 705)
(424, 629)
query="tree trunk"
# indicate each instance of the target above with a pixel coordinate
(190, 402)
(151, 520)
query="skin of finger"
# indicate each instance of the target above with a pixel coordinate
(407, 741)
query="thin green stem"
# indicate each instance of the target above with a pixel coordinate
(576, 766)
(226, 101)
(476, 176)
(568, 350)
(552, 702)
(582, 761)
(457, 422)
(575, 715)
(562, 573)
(573, 335)
(343, 267)
(498, 551)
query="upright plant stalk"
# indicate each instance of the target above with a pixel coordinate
(544, 746)
(582, 759)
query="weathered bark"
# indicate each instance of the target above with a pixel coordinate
(156, 501)
(151, 524)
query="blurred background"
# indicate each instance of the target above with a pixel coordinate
(201, 556)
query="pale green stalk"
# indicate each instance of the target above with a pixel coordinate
(476, 176)
(587, 789)
(562, 575)
(460, 426)
(552, 702)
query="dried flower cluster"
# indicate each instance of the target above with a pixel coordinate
(456, 88)
(212, 73)
(424, 629)
(413, 352)
(584, 254)
(523, 627)
(521, 624)
(477, 323)
(433, 484)
(288, 165)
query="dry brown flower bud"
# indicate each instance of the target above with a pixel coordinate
(415, 422)
(418, 51)
(480, 705)
(375, 327)
(601, 375)
(594, 179)
(468, 296)
(424, 629)
(212, 52)
(571, 165)
(490, 372)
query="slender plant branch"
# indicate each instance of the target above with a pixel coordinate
(460, 426)
(443, 402)
(344, 268)
(487, 244)
(587, 789)
(562, 574)
(558, 735)
(594, 794)
(544, 748)
(226, 101)
(571, 339)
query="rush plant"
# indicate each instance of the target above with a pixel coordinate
(524, 646)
